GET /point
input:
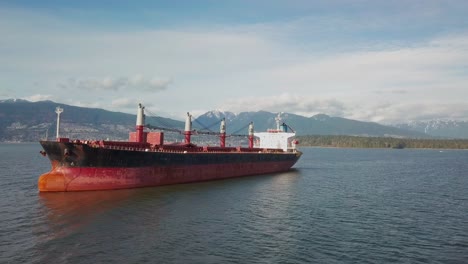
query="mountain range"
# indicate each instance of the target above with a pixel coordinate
(438, 128)
(21, 120)
(320, 124)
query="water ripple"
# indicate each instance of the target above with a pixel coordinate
(337, 206)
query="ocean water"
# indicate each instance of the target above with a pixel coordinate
(335, 206)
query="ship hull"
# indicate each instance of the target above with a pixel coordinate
(79, 167)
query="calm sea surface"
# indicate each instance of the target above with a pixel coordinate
(336, 206)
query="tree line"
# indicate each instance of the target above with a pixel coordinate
(380, 142)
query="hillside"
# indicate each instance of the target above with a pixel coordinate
(22, 120)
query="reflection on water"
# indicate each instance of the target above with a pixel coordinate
(66, 212)
(286, 178)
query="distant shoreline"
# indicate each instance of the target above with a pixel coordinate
(325, 147)
(380, 142)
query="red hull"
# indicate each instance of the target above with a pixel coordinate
(110, 178)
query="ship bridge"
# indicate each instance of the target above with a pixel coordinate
(276, 138)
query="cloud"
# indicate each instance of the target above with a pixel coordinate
(288, 102)
(341, 66)
(38, 97)
(389, 112)
(391, 92)
(129, 105)
(407, 69)
(421, 111)
(6, 93)
(89, 104)
(123, 103)
(137, 82)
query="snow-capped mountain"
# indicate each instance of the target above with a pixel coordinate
(320, 124)
(218, 114)
(438, 128)
(12, 100)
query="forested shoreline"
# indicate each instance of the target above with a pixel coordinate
(380, 142)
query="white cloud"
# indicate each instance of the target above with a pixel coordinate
(395, 113)
(38, 97)
(287, 102)
(90, 104)
(124, 103)
(405, 69)
(137, 82)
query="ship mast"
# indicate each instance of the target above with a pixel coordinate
(222, 133)
(188, 128)
(278, 121)
(58, 110)
(140, 124)
(251, 134)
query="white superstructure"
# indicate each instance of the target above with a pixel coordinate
(276, 138)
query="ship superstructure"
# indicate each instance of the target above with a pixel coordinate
(279, 138)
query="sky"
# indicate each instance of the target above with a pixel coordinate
(380, 61)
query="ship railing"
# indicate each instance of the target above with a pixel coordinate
(177, 149)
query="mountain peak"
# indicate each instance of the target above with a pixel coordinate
(218, 114)
(14, 100)
(438, 127)
(321, 117)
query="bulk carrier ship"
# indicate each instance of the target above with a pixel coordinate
(146, 160)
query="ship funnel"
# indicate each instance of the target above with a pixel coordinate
(284, 127)
(222, 131)
(188, 128)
